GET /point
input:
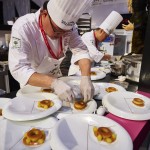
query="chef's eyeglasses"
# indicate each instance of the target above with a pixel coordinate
(55, 30)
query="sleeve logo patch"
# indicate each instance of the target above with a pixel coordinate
(16, 42)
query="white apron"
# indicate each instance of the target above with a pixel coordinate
(73, 70)
(50, 66)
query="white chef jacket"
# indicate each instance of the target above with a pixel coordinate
(89, 40)
(27, 49)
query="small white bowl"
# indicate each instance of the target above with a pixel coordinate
(122, 78)
(10, 22)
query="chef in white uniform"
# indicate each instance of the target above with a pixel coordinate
(39, 42)
(91, 39)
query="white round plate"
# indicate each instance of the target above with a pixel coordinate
(99, 75)
(65, 111)
(120, 104)
(75, 132)
(28, 89)
(12, 133)
(102, 89)
(3, 102)
(104, 69)
(24, 108)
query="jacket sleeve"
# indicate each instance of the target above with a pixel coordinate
(94, 53)
(78, 48)
(19, 56)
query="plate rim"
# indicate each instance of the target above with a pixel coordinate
(87, 115)
(99, 96)
(123, 114)
(3, 103)
(20, 117)
(58, 115)
(38, 124)
(93, 78)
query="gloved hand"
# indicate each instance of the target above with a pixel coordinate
(63, 90)
(87, 88)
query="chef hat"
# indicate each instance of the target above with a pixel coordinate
(111, 22)
(65, 13)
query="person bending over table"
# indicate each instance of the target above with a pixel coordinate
(39, 42)
(92, 38)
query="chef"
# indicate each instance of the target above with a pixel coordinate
(38, 45)
(91, 39)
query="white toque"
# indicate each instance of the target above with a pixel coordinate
(111, 22)
(65, 13)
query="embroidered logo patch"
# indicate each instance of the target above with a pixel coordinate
(93, 42)
(16, 42)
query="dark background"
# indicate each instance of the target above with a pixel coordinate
(126, 17)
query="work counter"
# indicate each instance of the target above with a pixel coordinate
(138, 130)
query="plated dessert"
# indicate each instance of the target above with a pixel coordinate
(45, 104)
(138, 102)
(80, 105)
(104, 134)
(47, 90)
(34, 137)
(93, 73)
(111, 89)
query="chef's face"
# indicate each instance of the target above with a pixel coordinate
(57, 32)
(102, 35)
(51, 29)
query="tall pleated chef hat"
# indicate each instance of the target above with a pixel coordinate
(111, 22)
(65, 13)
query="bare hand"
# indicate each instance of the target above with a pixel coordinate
(128, 27)
(106, 57)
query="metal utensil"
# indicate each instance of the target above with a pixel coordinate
(118, 69)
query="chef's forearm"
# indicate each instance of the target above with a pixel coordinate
(85, 66)
(40, 80)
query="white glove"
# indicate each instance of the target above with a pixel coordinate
(87, 88)
(63, 90)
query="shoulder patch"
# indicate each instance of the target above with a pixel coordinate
(16, 43)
